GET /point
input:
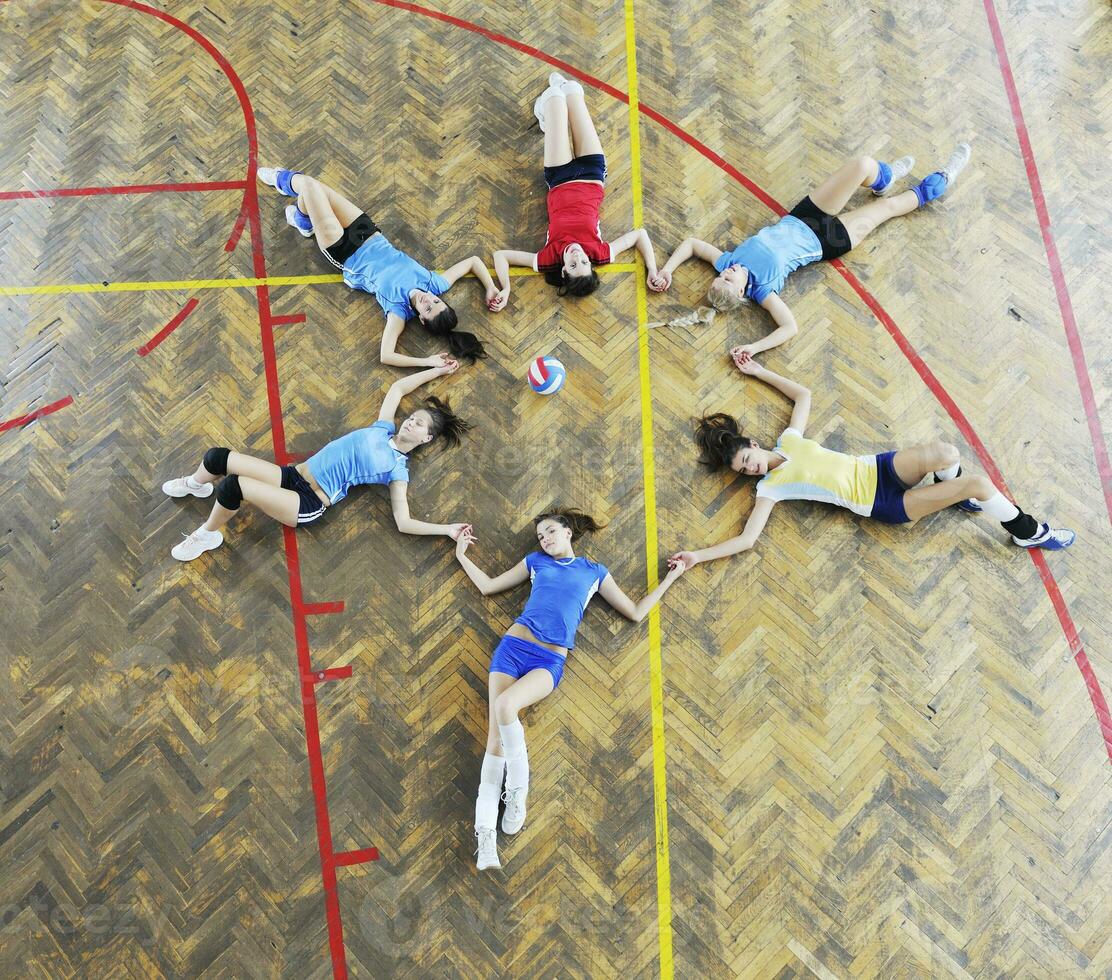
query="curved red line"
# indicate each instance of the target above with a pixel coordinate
(177, 321)
(1096, 695)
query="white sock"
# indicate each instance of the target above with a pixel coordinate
(517, 759)
(949, 473)
(999, 508)
(486, 806)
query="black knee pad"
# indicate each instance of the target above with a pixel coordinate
(216, 461)
(228, 494)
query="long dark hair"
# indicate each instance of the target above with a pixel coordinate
(571, 285)
(576, 520)
(719, 437)
(445, 422)
(462, 344)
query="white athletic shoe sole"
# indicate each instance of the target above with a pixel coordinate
(196, 544)
(900, 169)
(538, 106)
(268, 176)
(180, 488)
(958, 161)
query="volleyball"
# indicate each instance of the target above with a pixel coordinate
(546, 375)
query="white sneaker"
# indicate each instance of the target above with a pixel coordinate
(513, 819)
(957, 163)
(900, 169)
(196, 544)
(184, 486)
(570, 87)
(268, 176)
(486, 849)
(555, 80)
(538, 106)
(295, 219)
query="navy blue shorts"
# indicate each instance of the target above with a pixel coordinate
(309, 505)
(517, 657)
(589, 167)
(888, 505)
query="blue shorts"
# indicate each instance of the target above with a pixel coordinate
(517, 657)
(888, 504)
(589, 167)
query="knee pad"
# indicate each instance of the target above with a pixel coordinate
(228, 493)
(216, 461)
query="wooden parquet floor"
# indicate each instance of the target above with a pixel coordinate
(881, 757)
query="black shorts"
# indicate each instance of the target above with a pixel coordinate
(309, 506)
(589, 167)
(355, 234)
(828, 228)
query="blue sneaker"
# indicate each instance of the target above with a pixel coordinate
(1050, 538)
(300, 221)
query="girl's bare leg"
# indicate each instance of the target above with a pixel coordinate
(834, 193)
(583, 135)
(861, 221)
(557, 143)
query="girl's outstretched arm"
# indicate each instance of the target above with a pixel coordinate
(503, 259)
(485, 584)
(637, 611)
(388, 349)
(405, 386)
(799, 394)
(786, 327)
(399, 504)
(687, 248)
(475, 267)
(638, 238)
(762, 507)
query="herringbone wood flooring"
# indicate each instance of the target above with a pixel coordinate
(881, 759)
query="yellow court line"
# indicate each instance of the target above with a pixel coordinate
(194, 284)
(656, 670)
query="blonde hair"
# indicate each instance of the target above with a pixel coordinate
(704, 314)
(723, 297)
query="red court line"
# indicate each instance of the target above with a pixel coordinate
(237, 228)
(292, 318)
(323, 608)
(37, 414)
(1100, 705)
(324, 676)
(168, 329)
(204, 185)
(249, 214)
(345, 858)
(1065, 303)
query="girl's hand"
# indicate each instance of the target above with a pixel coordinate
(660, 281)
(462, 535)
(743, 359)
(497, 299)
(686, 559)
(675, 569)
(444, 362)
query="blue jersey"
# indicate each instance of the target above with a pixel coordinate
(562, 587)
(377, 267)
(772, 255)
(363, 456)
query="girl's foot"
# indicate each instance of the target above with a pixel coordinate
(570, 87)
(555, 80)
(486, 849)
(300, 221)
(277, 178)
(1050, 538)
(513, 819)
(185, 486)
(934, 185)
(898, 169)
(196, 544)
(268, 176)
(538, 106)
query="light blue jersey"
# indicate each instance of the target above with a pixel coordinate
(562, 587)
(379, 268)
(363, 456)
(772, 255)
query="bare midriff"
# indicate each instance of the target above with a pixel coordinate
(521, 632)
(303, 470)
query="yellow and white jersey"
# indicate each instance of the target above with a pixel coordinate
(811, 472)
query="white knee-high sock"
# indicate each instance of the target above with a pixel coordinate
(517, 759)
(490, 789)
(949, 473)
(999, 508)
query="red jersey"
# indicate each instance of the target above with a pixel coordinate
(573, 217)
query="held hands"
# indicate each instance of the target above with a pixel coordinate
(660, 282)
(743, 359)
(463, 535)
(676, 568)
(496, 299)
(681, 561)
(444, 362)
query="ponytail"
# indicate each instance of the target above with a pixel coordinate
(445, 422)
(719, 437)
(460, 343)
(578, 522)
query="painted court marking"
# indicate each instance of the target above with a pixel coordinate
(38, 413)
(170, 327)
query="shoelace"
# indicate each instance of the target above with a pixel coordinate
(512, 799)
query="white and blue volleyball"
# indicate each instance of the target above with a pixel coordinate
(546, 375)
